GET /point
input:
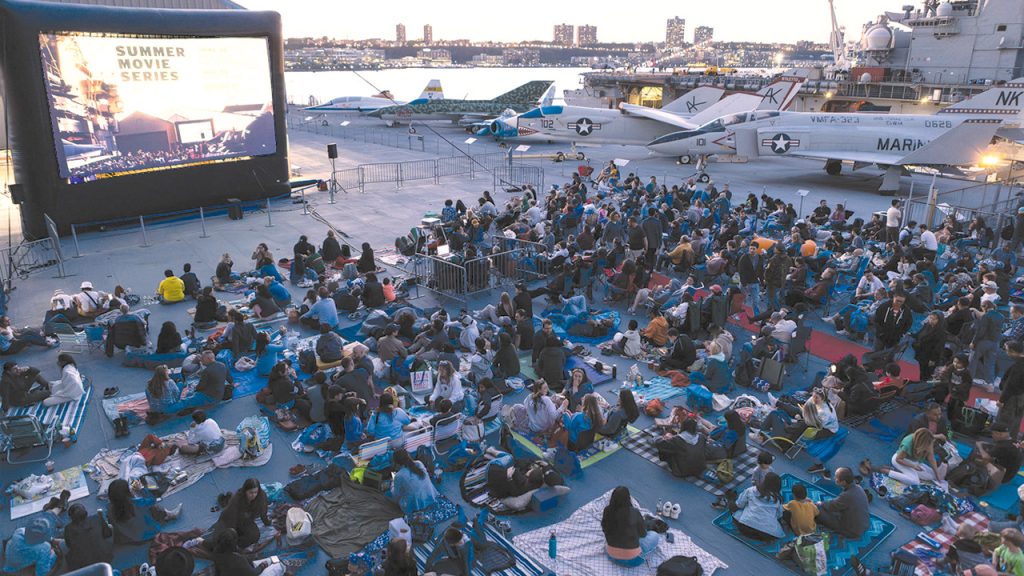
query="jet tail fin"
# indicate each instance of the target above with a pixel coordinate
(529, 92)
(780, 94)
(694, 101)
(1005, 100)
(432, 91)
(963, 145)
(548, 98)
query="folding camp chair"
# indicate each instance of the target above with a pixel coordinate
(798, 346)
(496, 403)
(447, 433)
(24, 432)
(71, 340)
(417, 438)
(370, 449)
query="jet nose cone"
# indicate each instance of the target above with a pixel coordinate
(502, 129)
(671, 144)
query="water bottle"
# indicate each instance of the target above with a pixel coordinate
(437, 474)
(552, 546)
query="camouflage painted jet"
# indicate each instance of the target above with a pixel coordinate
(519, 99)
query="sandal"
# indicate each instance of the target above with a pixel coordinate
(111, 392)
(865, 467)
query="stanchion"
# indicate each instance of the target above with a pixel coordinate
(269, 223)
(142, 224)
(202, 220)
(74, 236)
(305, 207)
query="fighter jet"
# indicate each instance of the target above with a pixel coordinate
(638, 125)
(366, 104)
(518, 99)
(955, 136)
(75, 151)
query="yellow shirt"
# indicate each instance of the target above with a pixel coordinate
(802, 513)
(171, 289)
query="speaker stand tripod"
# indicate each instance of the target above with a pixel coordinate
(334, 182)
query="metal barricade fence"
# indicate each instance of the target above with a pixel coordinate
(530, 260)
(417, 170)
(518, 176)
(28, 257)
(385, 172)
(446, 278)
(494, 270)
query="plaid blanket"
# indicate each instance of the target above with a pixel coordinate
(661, 388)
(580, 553)
(642, 444)
(535, 445)
(928, 556)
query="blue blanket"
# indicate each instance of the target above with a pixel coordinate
(840, 549)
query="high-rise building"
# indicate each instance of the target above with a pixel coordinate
(400, 34)
(564, 34)
(586, 35)
(703, 35)
(428, 34)
(675, 32)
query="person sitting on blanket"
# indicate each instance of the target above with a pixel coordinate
(551, 362)
(33, 547)
(323, 311)
(366, 262)
(681, 353)
(505, 308)
(162, 393)
(89, 303)
(892, 381)
(846, 514)
(1001, 458)
(485, 396)
(732, 436)
(965, 553)
(283, 390)
(934, 420)
(627, 541)
(412, 487)
(133, 524)
(685, 453)
(228, 559)
(521, 477)
(13, 341)
(206, 308)
(203, 437)
(388, 421)
(541, 413)
(715, 375)
(243, 336)
(656, 332)
(758, 510)
(223, 274)
(628, 343)
(245, 506)
(171, 289)
(329, 346)
(22, 386)
(452, 555)
(448, 385)
(913, 463)
(89, 539)
(69, 388)
(268, 350)
(389, 346)
(1008, 558)
(573, 426)
(506, 359)
(355, 379)
(480, 360)
(263, 304)
(577, 388)
(399, 560)
(213, 381)
(168, 340)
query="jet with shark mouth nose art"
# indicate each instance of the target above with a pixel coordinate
(632, 125)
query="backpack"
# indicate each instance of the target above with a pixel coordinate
(680, 566)
(347, 301)
(969, 476)
(1007, 232)
(425, 454)
(307, 361)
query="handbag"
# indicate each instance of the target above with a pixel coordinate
(725, 471)
(811, 552)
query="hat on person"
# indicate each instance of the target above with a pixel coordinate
(176, 561)
(86, 285)
(37, 532)
(716, 288)
(990, 285)
(999, 427)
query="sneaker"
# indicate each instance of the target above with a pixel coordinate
(816, 469)
(193, 543)
(720, 504)
(786, 552)
(843, 333)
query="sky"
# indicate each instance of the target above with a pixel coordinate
(733, 20)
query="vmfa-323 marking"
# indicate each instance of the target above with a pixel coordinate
(958, 135)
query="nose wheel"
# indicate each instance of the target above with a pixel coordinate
(685, 159)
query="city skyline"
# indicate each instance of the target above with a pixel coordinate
(732, 20)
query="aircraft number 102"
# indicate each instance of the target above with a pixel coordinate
(547, 124)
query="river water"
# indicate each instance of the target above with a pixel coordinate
(407, 83)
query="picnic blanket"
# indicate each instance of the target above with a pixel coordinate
(473, 485)
(347, 518)
(535, 445)
(1005, 496)
(580, 553)
(69, 415)
(607, 373)
(659, 387)
(928, 556)
(840, 550)
(562, 323)
(642, 444)
(106, 465)
(525, 565)
(136, 404)
(72, 479)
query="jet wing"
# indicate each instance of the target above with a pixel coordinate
(964, 144)
(658, 116)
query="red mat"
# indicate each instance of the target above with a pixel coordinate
(827, 346)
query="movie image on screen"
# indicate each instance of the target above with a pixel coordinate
(126, 104)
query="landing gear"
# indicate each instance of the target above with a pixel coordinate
(891, 181)
(560, 157)
(581, 156)
(704, 178)
(833, 167)
(685, 159)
